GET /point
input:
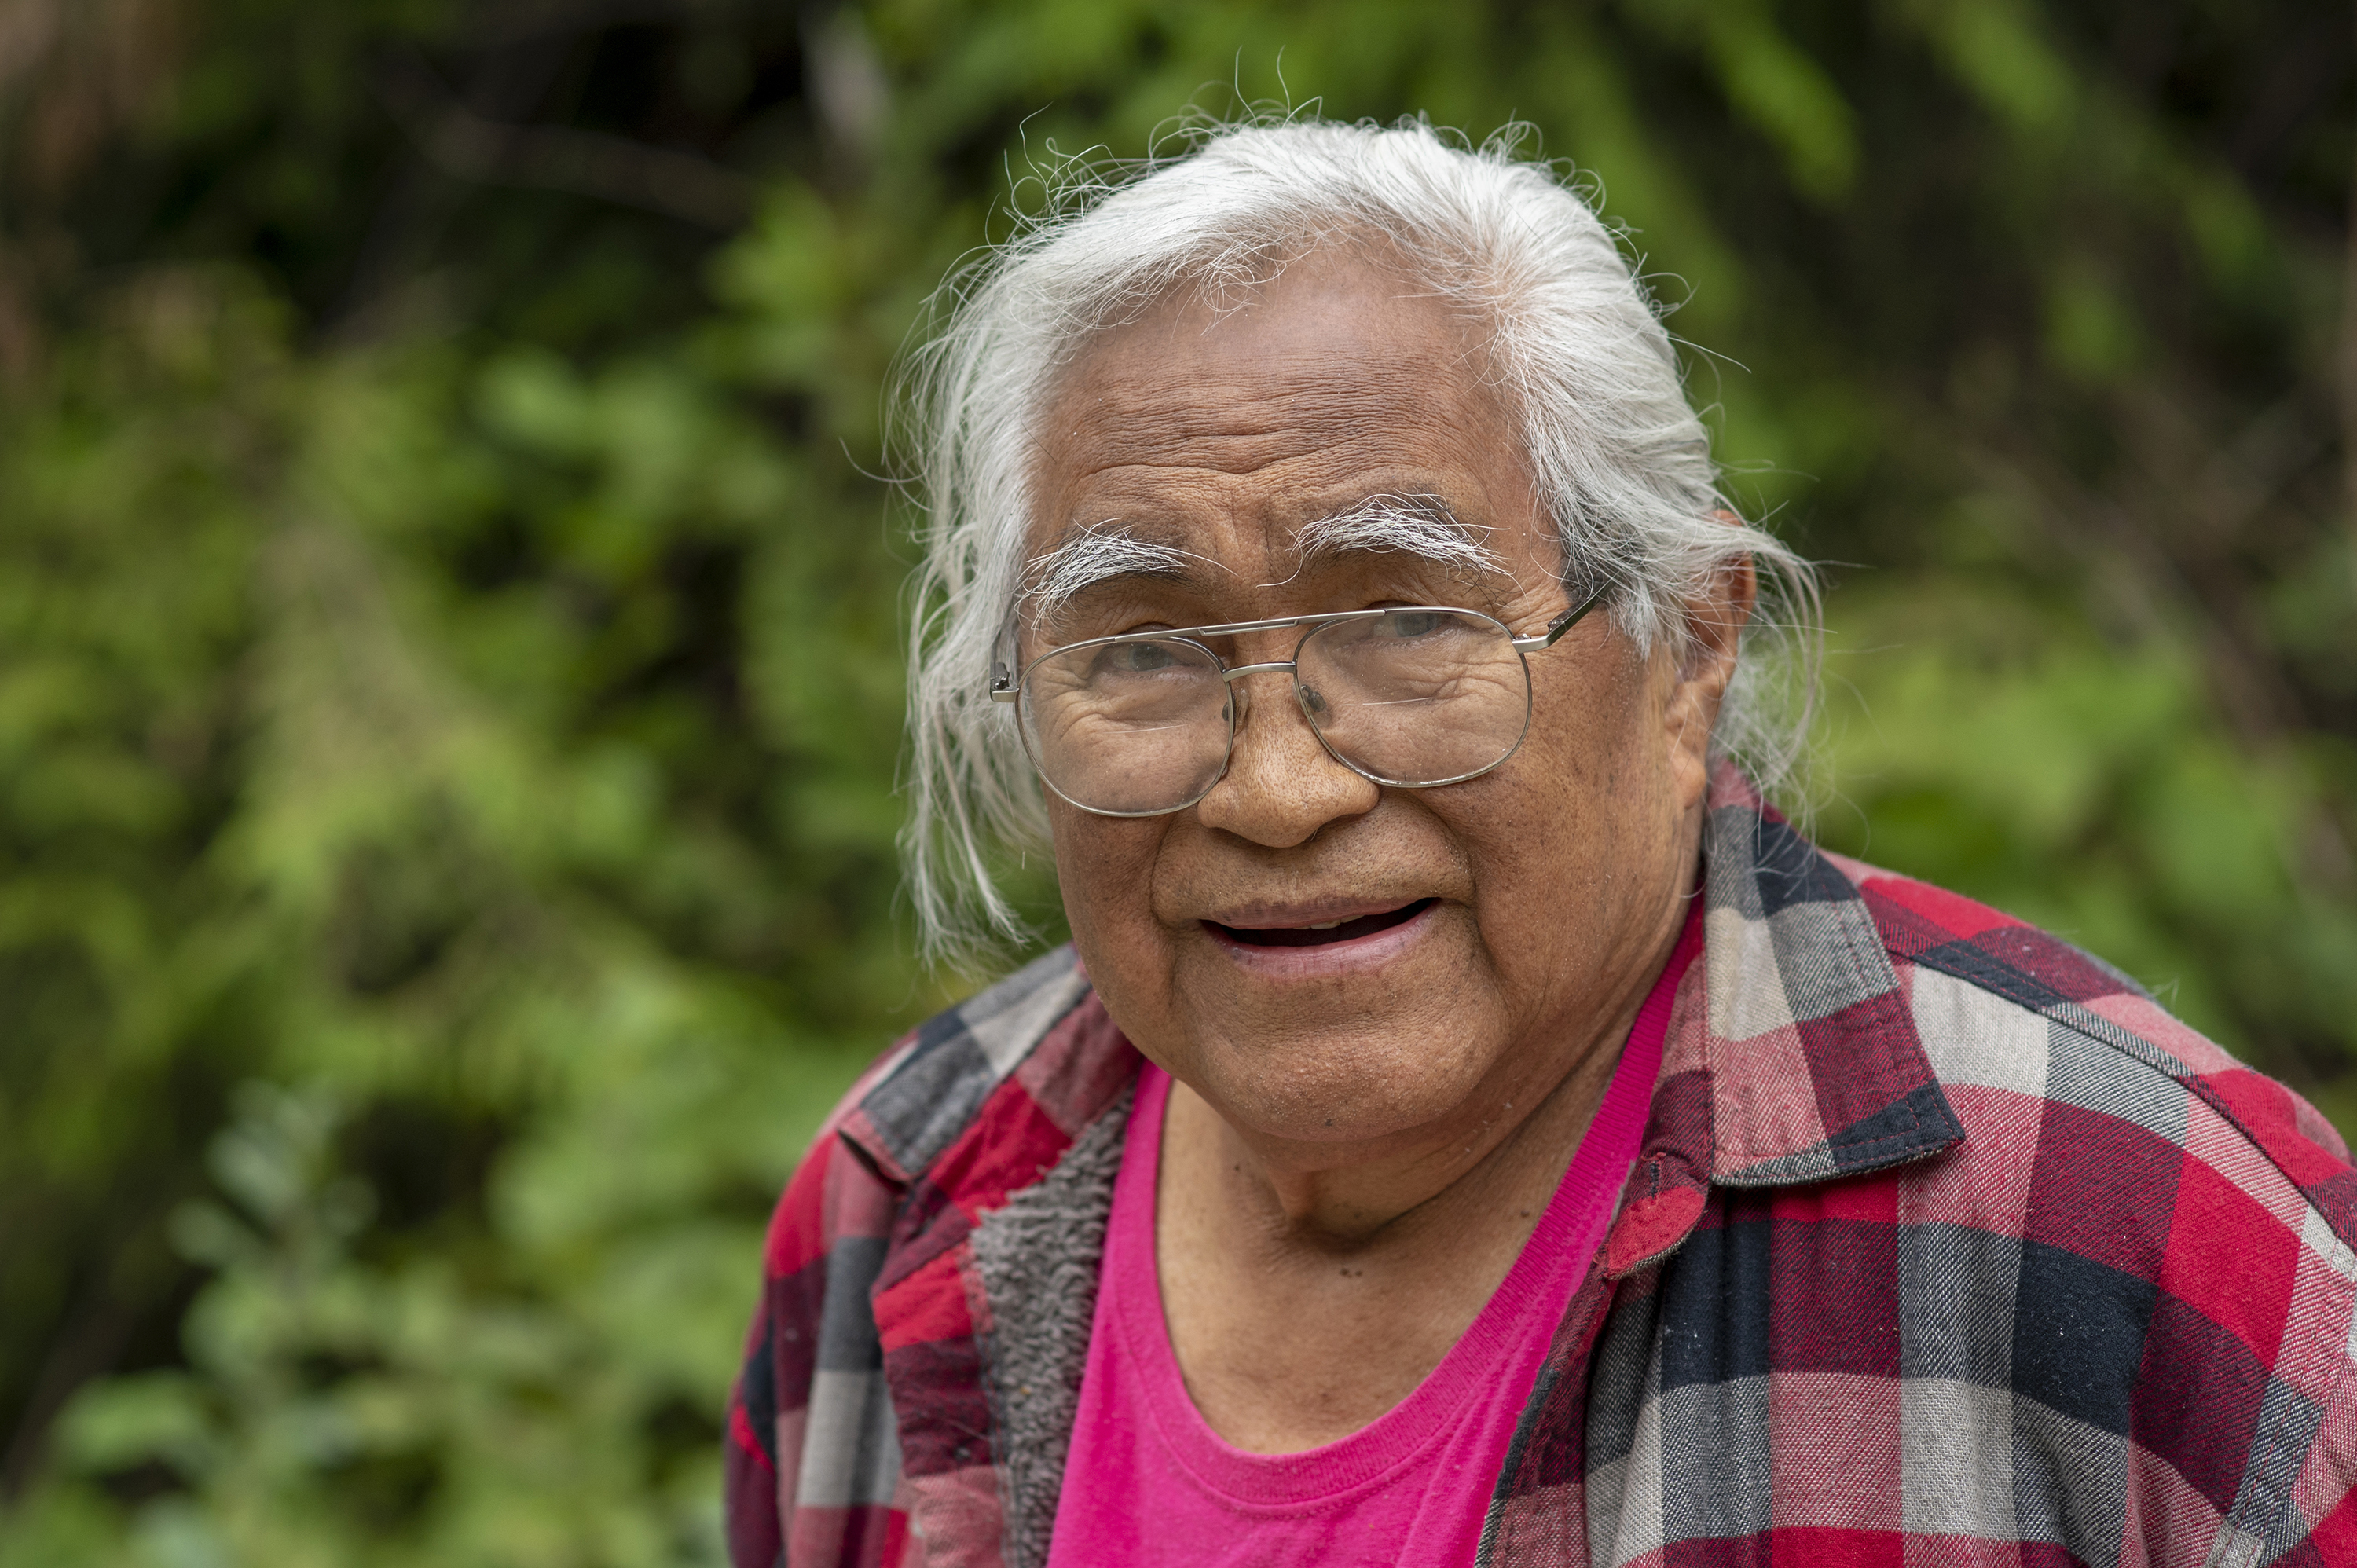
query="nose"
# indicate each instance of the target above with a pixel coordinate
(1281, 785)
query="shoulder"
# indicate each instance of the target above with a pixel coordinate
(2154, 1240)
(2003, 1006)
(935, 1083)
(1037, 1037)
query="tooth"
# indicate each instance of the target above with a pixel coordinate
(1323, 925)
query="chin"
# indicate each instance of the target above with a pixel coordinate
(1338, 1085)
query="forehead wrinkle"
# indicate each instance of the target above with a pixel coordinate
(1233, 435)
(1221, 424)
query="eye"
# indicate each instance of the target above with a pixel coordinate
(1408, 625)
(1135, 659)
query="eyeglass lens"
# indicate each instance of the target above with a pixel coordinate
(1143, 725)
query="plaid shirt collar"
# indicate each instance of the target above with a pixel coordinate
(1790, 1055)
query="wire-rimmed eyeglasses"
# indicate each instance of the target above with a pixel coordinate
(1413, 697)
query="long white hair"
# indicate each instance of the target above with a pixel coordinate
(1621, 459)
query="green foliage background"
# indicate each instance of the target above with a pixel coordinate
(448, 690)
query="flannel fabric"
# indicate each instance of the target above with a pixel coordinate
(1946, 1245)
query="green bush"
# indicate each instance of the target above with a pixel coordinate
(449, 689)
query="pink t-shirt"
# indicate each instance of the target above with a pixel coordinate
(1147, 1482)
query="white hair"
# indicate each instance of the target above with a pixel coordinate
(1620, 457)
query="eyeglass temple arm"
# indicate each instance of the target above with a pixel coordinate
(1561, 624)
(1002, 670)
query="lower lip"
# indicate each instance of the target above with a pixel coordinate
(1370, 951)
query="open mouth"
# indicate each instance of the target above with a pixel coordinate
(1320, 936)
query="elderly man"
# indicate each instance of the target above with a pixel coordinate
(1469, 1125)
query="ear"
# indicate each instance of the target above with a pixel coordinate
(1715, 620)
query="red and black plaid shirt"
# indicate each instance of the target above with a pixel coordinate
(1946, 1246)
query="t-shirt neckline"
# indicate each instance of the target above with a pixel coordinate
(1335, 1472)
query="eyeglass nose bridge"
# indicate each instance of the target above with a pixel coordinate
(1231, 676)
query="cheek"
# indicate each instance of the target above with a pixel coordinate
(1595, 750)
(1104, 869)
(1589, 809)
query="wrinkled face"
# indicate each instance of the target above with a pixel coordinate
(1321, 957)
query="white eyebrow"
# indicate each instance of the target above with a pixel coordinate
(1422, 526)
(1405, 525)
(1097, 555)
